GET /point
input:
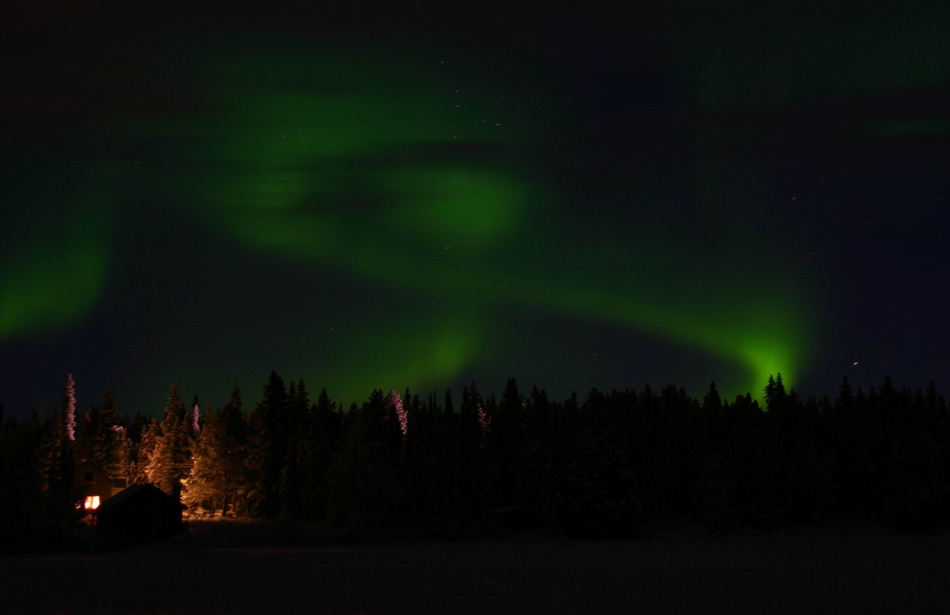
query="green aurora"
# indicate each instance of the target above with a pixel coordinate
(417, 176)
(315, 165)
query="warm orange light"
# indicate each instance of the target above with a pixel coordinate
(92, 502)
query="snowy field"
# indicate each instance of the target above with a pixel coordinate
(676, 572)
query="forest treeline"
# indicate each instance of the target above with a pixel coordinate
(598, 467)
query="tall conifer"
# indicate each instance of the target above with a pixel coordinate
(217, 476)
(171, 460)
(69, 408)
(268, 446)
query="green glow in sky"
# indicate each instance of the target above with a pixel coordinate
(52, 287)
(414, 180)
(378, 179)
(423, 354)
(462, 207)
(56, 273)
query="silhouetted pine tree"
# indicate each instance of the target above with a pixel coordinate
(715, 489)
(469, 492)
(56, 457)
(363, 491)
(711, 422)
(538, 482)
(680, 456)
(601, 495)
(429, 468)
(813, 494)
(39, 505)
(60, 513)
(912, 486)
(269, 442)
(938, 426)
(322, 443)
(101, 439)
(505, 442)
(294, 479)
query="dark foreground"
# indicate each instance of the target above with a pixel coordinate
(680, 573)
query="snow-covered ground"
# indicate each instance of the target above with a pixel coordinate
(677, 571)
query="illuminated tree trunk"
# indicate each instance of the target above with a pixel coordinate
(195, 418)
(69, 408)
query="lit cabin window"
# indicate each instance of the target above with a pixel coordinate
(92, 502)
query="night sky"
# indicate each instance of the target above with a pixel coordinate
(395, 198)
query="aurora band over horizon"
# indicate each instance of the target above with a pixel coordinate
(415, 179)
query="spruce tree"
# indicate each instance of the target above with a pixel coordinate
(537, 484)
(472, 426)
(268, 444)
(101, 439)
(69, 407)
(195, 418)
(402, 415)
(39, 499)
(56, 457)
(171, 460)
(506, 440)
(217, 476)
(294, 476)
(363, 490)
(148, 435)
